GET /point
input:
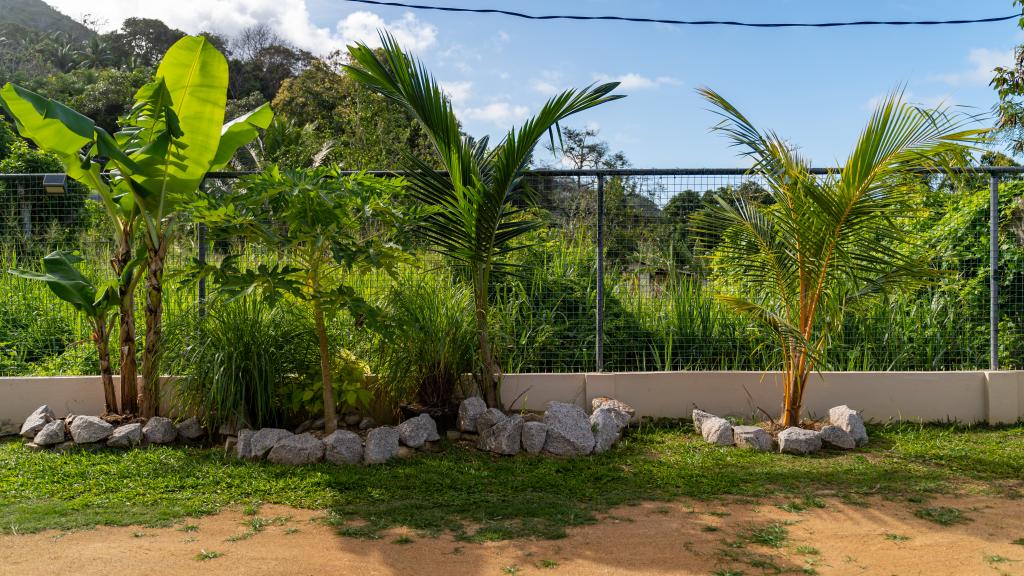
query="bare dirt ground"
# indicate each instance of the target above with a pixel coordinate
(685, 537)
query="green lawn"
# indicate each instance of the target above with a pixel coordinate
(499, 497)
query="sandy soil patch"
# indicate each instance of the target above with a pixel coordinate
(685, 537)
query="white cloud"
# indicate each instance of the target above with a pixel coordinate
(548, 83)
(289, 18)
(409, 31)
(499, 113)
(504, 36)
(634, 81)
(459, 92)
(983, 61)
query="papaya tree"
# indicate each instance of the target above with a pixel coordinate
(173, 135)
(325, 226)
(96, 303)
(475, 217)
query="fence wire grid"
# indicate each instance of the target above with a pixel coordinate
(618, 279)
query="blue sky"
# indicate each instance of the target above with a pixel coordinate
(813, 86)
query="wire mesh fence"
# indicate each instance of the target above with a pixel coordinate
(618, 279)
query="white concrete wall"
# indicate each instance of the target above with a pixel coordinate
(968, 397)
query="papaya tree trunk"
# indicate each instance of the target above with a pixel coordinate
(126, 332)
(488, 382)
(150, 397)
(330, 413)
(101, 337)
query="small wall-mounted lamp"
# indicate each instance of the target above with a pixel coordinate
(55, 183)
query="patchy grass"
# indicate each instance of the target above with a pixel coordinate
(942, 515)
(773, 535)
(500, 497)
(896, 537)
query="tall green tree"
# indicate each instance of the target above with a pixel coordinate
(795, 266)
(474, 220)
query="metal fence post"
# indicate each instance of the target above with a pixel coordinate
(201, 258)
(993, 273)
(599, 349)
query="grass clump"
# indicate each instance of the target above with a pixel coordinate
(896, 537)
(942, 515)
(772, 535)
(208, 555)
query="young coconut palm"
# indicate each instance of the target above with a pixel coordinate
(475, 218)
(796, 265)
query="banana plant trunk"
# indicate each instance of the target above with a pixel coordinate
(150, 397)
(330, 412)
(101, 337)
(488, 382)
(126, 332)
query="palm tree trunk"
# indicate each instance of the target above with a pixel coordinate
(126, 333)
(330, 413)
(106, 374)
(150, 397)
(488, 382)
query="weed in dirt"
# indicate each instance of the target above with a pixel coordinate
(806, 503)
(727, 572)
(709, 528)
(402, 540)
(942, 515)
(208, 555)
(291, 531)
(773, 535)
(1018, 542)
(512, 570)
(896, 537)
(139, 534)
(251, 509)
(807, 550)
(189, 528)
(548, 564)
(240, 536)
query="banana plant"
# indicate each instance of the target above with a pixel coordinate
(475, 218)
(95, 302)
(173, 135)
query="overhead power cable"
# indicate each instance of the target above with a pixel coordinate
(693, 22)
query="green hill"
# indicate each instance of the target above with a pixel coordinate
(40, 16)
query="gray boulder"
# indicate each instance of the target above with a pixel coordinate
(613, 404)
(489, 418)
(414, 432)
(367, 423)
(87, 429)
(36, 420)
(264, 440)
(159, 430)
(795, 440)
(699, 416)
(231, 445)
(353, 419)
(849, 420)
(505, 437)
(753, 437)
(607, 423)
(190, 429)
(717, 431)
(126, 436)
(469, 410)
(534, 435)
(52, 433)
(837, 437)
(569, 432)
(244, 445)
(381, 445)
(297, 450)
(343, 447)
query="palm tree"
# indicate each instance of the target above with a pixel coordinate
(795, 266)
(96, 53)
(474, 220)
